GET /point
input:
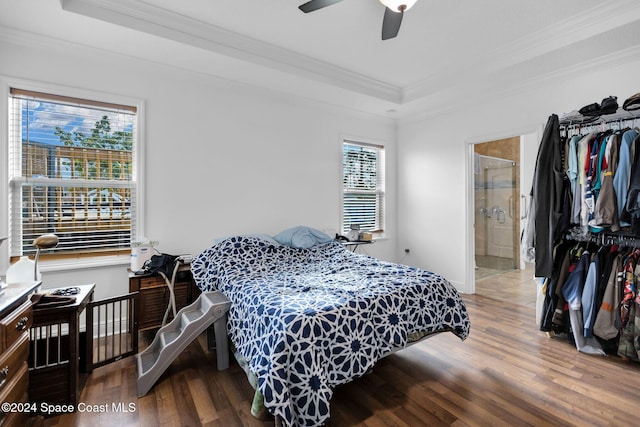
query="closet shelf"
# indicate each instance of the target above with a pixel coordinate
(577, 119)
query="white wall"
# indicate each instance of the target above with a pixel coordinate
(432, 158)
(221, 158)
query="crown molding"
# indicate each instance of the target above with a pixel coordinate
(160, 22)
(582, 26)
(338, 100)
(461, 99)
(417, 110)
(603, 62)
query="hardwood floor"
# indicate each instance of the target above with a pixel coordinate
(507, 373)
(513, 286)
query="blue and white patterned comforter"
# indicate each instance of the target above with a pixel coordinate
(308, 320)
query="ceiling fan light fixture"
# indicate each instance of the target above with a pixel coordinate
(398, 5)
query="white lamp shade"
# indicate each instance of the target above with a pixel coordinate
(397, 5)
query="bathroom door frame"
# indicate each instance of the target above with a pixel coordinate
(526, 134)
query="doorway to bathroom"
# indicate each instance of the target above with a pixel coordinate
(498, 190)
(497, 206)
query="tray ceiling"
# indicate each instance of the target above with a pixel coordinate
(446, 52)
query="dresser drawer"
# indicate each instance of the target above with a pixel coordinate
(15, 391)
(152, 282)
(12, 359)
(15, 324)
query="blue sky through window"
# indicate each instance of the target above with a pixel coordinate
(41, 118)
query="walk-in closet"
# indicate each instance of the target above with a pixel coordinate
(584, 229)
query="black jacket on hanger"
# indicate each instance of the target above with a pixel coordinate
(547, 192)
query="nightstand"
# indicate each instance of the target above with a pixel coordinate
(153, 295)
(354, 244)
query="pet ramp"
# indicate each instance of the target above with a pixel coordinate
(173, 338)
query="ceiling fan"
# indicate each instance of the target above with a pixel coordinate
(393, 12)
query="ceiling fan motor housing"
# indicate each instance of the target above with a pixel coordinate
(398, 6)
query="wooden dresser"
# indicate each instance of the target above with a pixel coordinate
(16, 317)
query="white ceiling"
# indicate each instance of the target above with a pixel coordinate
(447, 52)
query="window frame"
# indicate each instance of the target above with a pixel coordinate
(380, 186)
(82, 260)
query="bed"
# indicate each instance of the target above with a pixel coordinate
(304, 320)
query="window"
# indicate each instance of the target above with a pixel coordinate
(362, 186)
(71, 173)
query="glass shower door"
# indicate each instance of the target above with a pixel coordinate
(495, 221)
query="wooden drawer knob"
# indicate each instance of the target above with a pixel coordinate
(22, 323)
(4, 373)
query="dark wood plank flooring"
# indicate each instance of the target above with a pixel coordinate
(506, 374)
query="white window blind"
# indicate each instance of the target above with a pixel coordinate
(71, 173)
(363, 186)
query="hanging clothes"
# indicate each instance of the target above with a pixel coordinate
(621, 178)
(572, 292)
(606, 214)
(552, 295)
(629, 287)
(607, 325)
(627, 347)
(547, 194)
(584, 229)
(633, 193)
(572, 164)
(584, 198)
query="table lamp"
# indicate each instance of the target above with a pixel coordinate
(46, 241)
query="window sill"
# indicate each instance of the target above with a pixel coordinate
(83, 263)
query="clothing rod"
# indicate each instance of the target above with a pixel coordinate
(606, 239)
